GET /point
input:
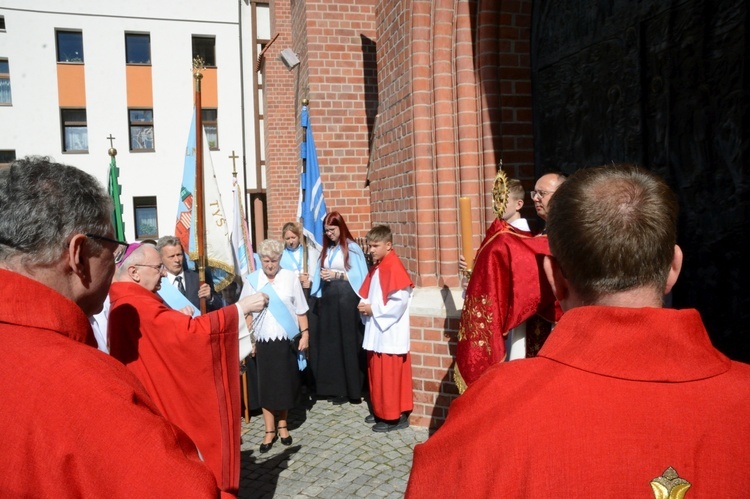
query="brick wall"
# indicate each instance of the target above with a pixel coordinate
(433, 350)
(282, 146)
(421, 98)
(334, 41)
(393, 191)
(514, 67)
(451, 106)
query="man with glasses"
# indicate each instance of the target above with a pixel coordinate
(73, 421)
(543, 190)
(189, 366)
(507, 292)
(99, 321)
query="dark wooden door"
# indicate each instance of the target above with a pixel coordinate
(666, 85)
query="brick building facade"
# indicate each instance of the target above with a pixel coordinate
(413, 104)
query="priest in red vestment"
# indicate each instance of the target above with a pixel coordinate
(73, 421)
(626, 398)
(189, 366)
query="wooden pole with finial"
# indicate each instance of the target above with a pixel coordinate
(200, 222)
(305, 102)
(243, 225)
(114, 191)
(245, 397)
(234, 158)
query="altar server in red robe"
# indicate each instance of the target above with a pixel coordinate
(73, 421)
(385, 309)
(626, 398)
(189, 366)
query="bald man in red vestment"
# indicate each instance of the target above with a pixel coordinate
(73, 421)
(625, 398)
(507, 290)
(189, 366)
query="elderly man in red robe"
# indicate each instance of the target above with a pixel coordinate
(189, 366)
(625, 398)
(73, 421)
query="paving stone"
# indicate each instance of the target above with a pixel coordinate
(334, 455)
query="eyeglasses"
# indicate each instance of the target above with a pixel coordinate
(541, 194)
(122, 246)
(159, 268)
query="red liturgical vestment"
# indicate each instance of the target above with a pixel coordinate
(615, 398)
(73, 421)
(507, 287)
(189, 366)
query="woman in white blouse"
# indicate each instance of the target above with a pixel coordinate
(276, 332)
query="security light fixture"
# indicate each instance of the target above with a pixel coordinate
(289, 58)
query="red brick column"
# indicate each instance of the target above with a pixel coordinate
(452, 129)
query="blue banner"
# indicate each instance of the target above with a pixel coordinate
(312, 206)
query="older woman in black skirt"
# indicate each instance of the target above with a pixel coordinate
(275, 330)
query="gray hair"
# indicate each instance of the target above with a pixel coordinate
(43, 205)
(168, 241)
(270, 248)
(134, 258)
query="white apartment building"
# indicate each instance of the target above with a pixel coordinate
(74, 73)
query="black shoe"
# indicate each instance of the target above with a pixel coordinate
(285, 440)
(339, 400)
(370, 419)
(386, 426)
(266, 447)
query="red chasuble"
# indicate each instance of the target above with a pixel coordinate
(74, 422)
(189, 366)
(507, 287)
(615, 398)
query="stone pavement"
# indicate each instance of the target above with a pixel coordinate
(335, 454)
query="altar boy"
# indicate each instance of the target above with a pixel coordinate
(385, 312)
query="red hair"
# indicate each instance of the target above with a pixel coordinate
(334, 218)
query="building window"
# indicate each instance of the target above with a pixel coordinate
(205, 46)
(211, 127)
(69, 46)
(137, 48)
(141, 122)
(146, 221)
(75, 130)
(5, 99)
(2, 23)
(7, 157)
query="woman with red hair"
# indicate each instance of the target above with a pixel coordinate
(338, 359)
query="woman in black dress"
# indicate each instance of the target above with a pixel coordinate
(339, 363)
